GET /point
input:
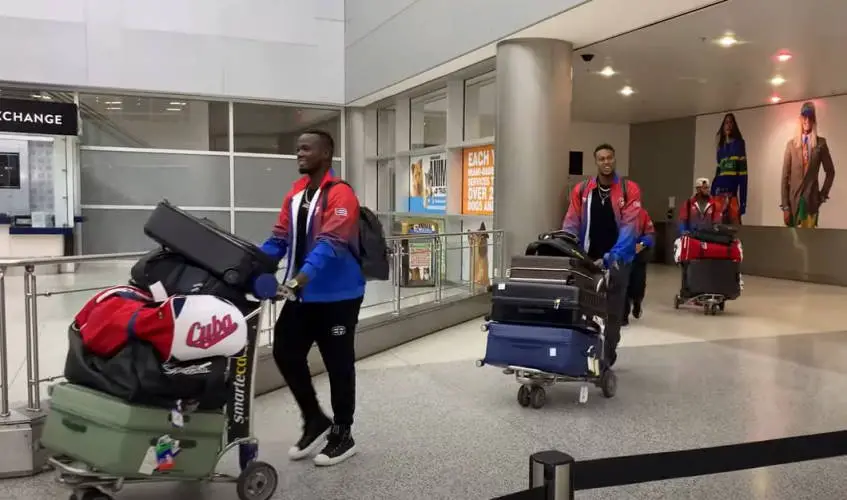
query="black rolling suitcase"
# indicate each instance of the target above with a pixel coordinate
(539, 304)
(237, 262)
(718, 277)
(587, 280)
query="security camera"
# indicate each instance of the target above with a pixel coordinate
(587, 57)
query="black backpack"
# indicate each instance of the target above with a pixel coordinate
(373, 249)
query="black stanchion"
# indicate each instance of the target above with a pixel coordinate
(552, 470)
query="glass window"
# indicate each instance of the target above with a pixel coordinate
(428, 121)
(273, 129)
(480, 107)
(154, 122)
(386, 131)
(385, 186)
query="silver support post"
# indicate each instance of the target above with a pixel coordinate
(4, 347)
(437, 248)
(31, 313)
(552, 470)
(472, 266)
(397, 248)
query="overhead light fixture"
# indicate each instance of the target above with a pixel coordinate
(608, 71)
(777, 81)
(178, 103)
(775, 99)
(113, 103)
(113, 108)
(173, 109)
(783, 57)
(727, 41)
(626, 91)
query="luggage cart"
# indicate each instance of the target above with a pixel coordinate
(711, 303)
(256, 481)
(533, 383)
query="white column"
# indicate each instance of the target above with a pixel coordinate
(534, 88)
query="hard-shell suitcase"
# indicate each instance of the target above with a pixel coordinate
(539, 303)
(718, 277)
(554, 350)
(236, 261)
(117, 438)
(587, 280)
(692, 248)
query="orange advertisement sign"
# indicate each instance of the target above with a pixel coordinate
(478, 180)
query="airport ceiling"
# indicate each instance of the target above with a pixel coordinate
(786, 50)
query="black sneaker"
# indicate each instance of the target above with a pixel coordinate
(314, 436)
(636, 310)
(339, 447)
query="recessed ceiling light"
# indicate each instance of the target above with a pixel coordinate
(783, 57)
(608, 71)
(775, 99)
(727, 41)
(777, 81)
(626, 91)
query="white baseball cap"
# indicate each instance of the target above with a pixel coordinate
(702, 181)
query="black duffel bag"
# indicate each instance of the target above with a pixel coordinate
(719, 233)
(137, 375)
(179, 276)
(562, 244)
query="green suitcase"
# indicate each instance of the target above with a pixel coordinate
(116, 438)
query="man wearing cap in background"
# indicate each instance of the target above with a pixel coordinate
(701, 211)
(805, 154)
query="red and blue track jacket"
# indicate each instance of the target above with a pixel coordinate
(626, 213)
(331, 263)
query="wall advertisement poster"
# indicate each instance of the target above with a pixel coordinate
(428, 184)
(478, 180)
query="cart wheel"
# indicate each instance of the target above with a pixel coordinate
(609, 384)
(537, 397)
(523, 396)
(89, 494)
(677, 301)
(722, 306)
(257, 482)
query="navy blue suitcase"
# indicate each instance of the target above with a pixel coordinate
(561, 351)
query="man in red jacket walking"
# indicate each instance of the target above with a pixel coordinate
(318, 231)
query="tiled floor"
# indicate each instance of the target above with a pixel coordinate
(433, 426)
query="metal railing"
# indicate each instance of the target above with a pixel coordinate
(452, 271)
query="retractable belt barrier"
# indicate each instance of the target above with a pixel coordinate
(635, 469)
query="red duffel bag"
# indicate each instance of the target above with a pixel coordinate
(693, 249)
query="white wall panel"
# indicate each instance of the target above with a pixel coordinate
(289, 50)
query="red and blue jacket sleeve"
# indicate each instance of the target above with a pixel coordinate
(684, 216)
(572, 222)
(628, 230)
(338, 232)
(648, 231)
(277, 245)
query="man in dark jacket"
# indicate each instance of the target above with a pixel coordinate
(317, 231)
